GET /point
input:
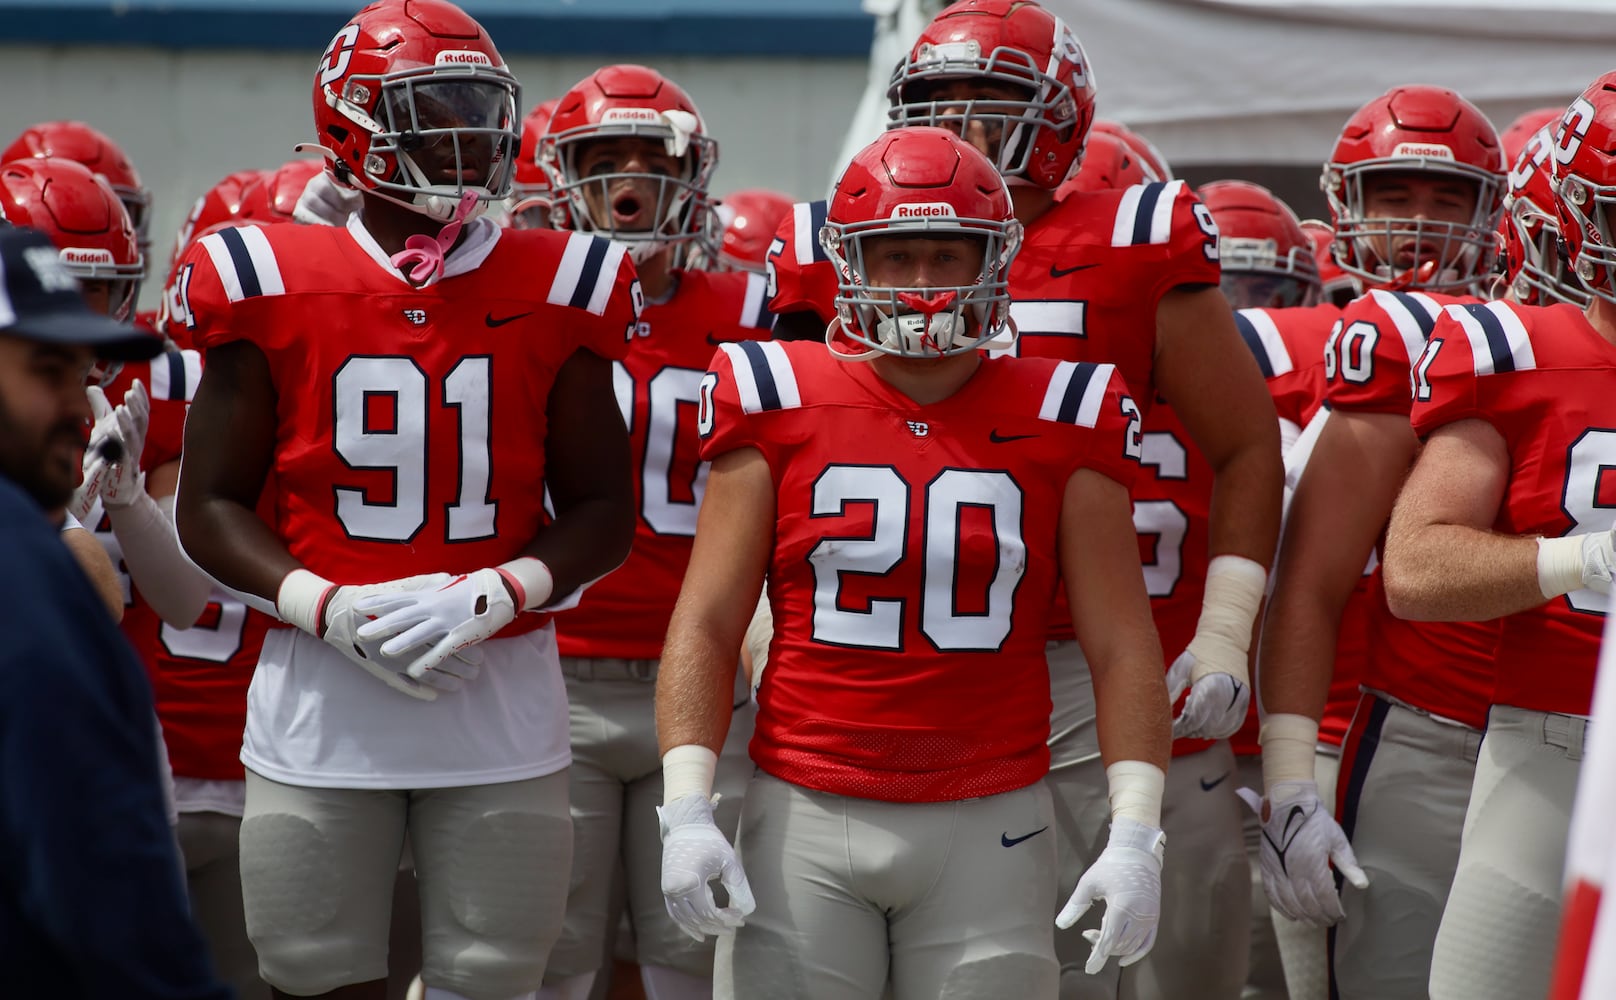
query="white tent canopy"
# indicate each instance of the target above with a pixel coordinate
(1262, 81)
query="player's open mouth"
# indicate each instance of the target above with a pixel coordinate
(626, 210)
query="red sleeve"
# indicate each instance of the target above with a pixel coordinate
(722, 419)
(1444, 384)
(1094, 400)
(199, 308)
(607, 329)
(801, 277)
(1116, 440)
(1189, 244)
(1370, 351)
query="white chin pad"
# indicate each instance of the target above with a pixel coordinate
(906, 332)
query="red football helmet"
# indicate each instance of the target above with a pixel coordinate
(1267, 260)
(635, 102)
(920, 182)
(81, 143)
(275, 195)
(413, 103)
(1416, 130)
(85, 219)
(1336, 286)
(1585, 185)
(530, 194)
(1522, 129)
(1142, 147)
(1010, 44)
(749, 219)
(1108, 165)
(1533, 257)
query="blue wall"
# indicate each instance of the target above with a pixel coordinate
(545, 27)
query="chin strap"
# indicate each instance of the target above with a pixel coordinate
(422, 259)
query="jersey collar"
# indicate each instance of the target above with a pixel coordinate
(480, 237)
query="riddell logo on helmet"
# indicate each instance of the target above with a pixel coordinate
(461, 57)
(615, 116)
(1426, 149)
(86, 255)
(924, 210)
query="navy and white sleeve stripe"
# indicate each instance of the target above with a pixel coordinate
(245, 262)
(1257, 329)
(174, 375)
(587, 273)
(1145, 214)
(1076, 390)
(807, 219)
(755, 313)
(1498, 340)
(763, 376)
(1413, 313)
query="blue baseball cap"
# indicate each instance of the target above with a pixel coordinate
(40, 300)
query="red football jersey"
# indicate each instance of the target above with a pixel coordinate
(1440, 667)
(1542, 377)
(801, 277)
(626, 615)
(380, 381)
(914, 561)
(199, 675)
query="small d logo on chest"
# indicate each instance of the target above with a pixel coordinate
(918, 428)
(415, 317)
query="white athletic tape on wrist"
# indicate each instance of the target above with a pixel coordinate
(1234, 593)
(1136, 790)
(1289, 748)
(301, 600)
(532, 580)
(688, 769)
(1560, 565)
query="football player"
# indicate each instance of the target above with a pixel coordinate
(629, 158)
(1505, 516)
(1536, 272)
(748, 219)
(913, 504)
(1415, 185)
(93, 148)
(531, 204)
(418, 379)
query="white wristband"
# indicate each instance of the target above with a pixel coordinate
(300, 601)
(688, 770)
(1234, 593)
(1136, 790)
(532, 580)
(1559, 565)
(1289, 748)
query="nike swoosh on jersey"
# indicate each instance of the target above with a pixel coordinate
(1207, 786)
(1061, 272)
(1009, 841)
(998, 438)
(492, 322)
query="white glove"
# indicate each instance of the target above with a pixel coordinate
(324, 202)
(125, 483)
(1127, 875)
(93, 465)
(694, 852)
(328, 612)
(1299, 842)
(1216, 707)
(1576, 562)
(447, 619)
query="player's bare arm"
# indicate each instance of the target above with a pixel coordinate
(587, 470)
(229, 442)
(1205, 371)
(95, 563)
(1111, 613)
(734, 535)
(1443, 560)
(1328, 537)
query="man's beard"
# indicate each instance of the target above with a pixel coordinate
(26, 461)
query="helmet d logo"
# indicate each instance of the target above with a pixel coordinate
(335, 61)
